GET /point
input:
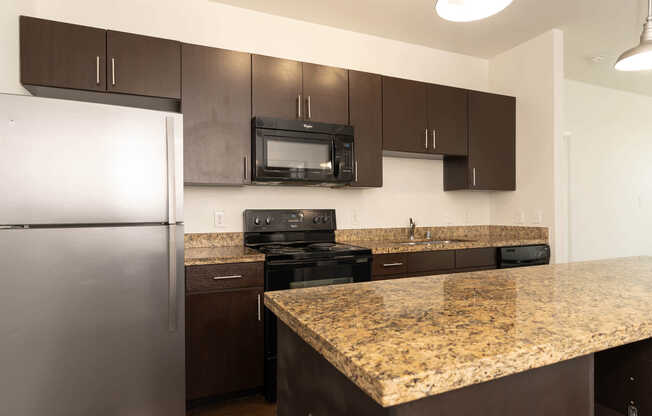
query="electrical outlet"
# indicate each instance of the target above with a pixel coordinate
(538, 217)
(219, 219)
(520, 217)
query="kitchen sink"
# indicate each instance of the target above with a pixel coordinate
(429, 242)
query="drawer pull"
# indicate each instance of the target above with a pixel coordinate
(392, 264)
(235, 276)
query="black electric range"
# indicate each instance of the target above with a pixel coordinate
(300, 252)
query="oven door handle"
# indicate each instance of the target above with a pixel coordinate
(320, 262)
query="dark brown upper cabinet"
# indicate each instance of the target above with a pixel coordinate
(216, 106)
(424, 118)
(447, 120)
(143, 65)
(365, 101)
(276, 87)
(405, 116)
(326, 93)
(491, 161)
(293, 90)
(62, 55)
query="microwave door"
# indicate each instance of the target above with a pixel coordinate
(300, 157)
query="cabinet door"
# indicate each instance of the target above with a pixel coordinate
(492, 141)
(276, 87)
(447, 120)
(405, 118)
(326, 93)
(61, 55)
(365, 95)
(224, 342)
(143, 65)
(216, 106)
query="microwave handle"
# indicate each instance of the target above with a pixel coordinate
(333, 158)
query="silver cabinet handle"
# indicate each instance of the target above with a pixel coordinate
(356, 170)
(299, 104)
(474, 176)
(233, 276)
(97, 70)
(113, 71)
(259, 317)
(309, 109)
(434, 139)
(392, 264)
(426, 139)
(245, 168)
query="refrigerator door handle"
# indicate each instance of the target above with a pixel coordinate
(172, 180)
(172, 279)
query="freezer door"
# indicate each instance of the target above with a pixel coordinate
(66, 162)
(91, 323)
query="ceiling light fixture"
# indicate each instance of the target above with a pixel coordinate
(640, 57)
(469, 10)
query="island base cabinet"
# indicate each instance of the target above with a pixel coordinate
(316, 387)
(623, 380)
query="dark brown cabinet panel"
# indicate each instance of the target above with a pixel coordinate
(326, 93)
(62, 55)
(216, 105)
(491, 162)
(276, 88)
(492, 136)
(224, 342)
(223, 276)
(476, 257)
(431, 261)
(389, 264)
(447, 120)
(365, 96)
(143, 65)
(405, 117)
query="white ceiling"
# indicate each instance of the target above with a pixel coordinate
(591, 28)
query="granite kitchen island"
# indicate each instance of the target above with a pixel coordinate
(539, 341)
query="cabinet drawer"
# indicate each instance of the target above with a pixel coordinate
(389, 264)
(428, 261)
(223, 276)
(475, 257)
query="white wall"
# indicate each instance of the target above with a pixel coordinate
(412, 187)
(533, 72)
(610, 168)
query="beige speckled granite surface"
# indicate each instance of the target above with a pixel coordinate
(402, 340)
(221, 255)
(385, 247)
(387, 240)
(218, 248)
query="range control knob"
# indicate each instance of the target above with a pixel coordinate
(257, 221)
(268, 220)
(324, 219)
(316, 220)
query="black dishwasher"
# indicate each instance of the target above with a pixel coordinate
(523, 256)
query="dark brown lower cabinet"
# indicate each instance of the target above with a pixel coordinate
(424, 263)
(224, 331)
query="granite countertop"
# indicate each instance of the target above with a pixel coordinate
(220, 255)
(387, 247)
(403, 340)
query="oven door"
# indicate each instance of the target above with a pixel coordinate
(294, 156)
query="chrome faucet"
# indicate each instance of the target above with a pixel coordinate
(412, 227)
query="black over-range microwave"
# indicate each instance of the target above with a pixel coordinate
(301, 152)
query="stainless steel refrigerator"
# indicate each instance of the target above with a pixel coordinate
(91, 260)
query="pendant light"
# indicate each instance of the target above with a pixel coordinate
(640, 57)
(469, 10)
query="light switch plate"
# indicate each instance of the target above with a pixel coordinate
(219, 219)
